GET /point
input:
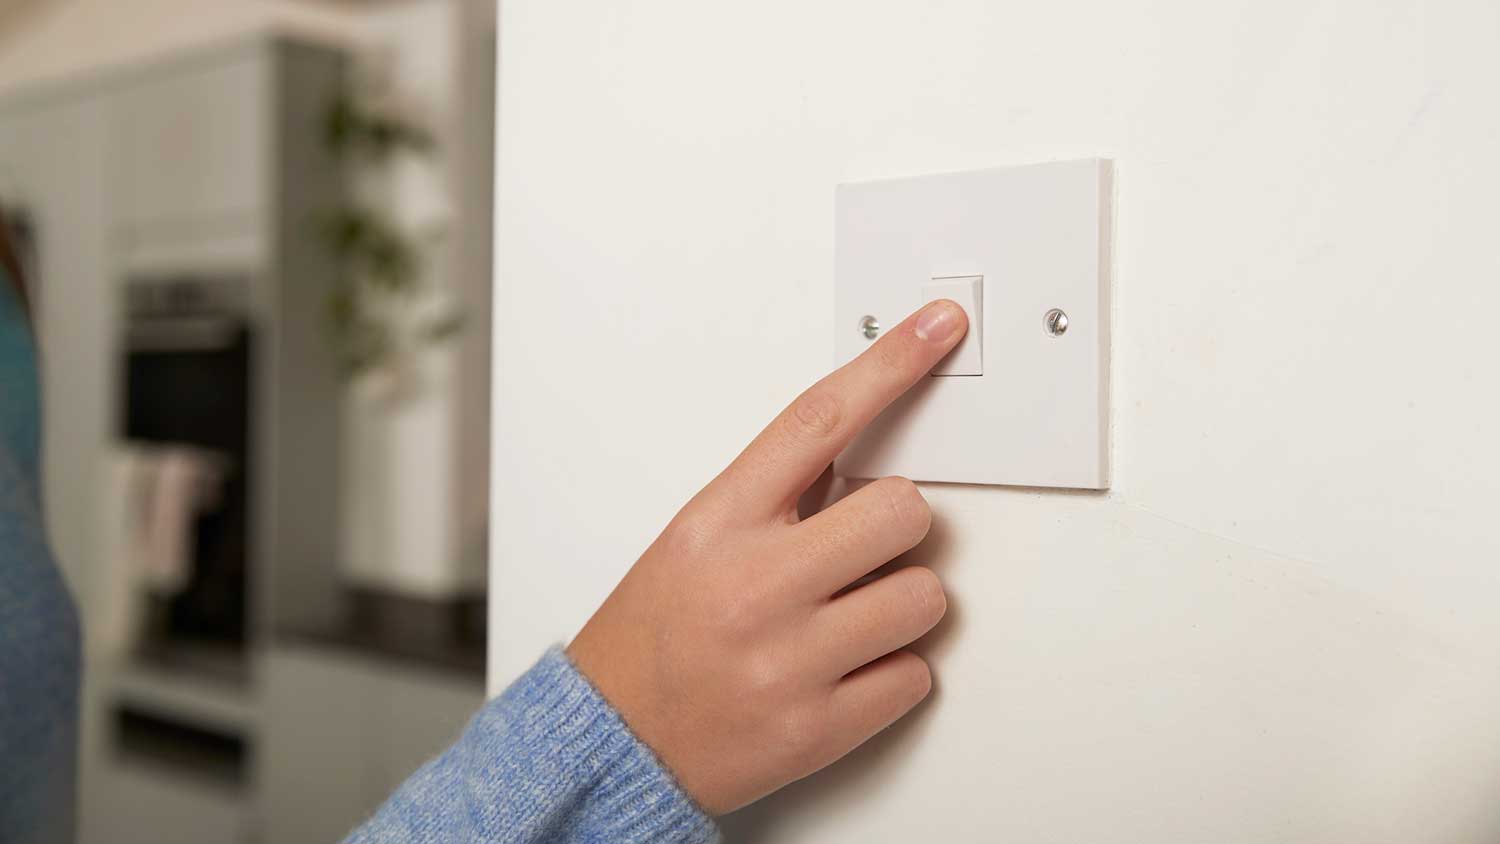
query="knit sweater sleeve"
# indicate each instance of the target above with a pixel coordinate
(548, 760)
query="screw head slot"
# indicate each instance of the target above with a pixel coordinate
(1055, 323)
(869, 326)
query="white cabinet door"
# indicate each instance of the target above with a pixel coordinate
(344, 730)
(192, 148)
(423, 712)
(142, 804)
(314, 759)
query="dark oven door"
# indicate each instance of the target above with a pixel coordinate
(188, 382)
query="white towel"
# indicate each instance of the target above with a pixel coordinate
(152, 496)
(179, 483)
(117, 610)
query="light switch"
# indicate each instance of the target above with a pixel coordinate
(967, 358)
(1024, 399)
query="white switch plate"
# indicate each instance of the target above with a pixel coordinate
(1039, 236)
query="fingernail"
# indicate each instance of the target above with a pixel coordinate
(939, 320)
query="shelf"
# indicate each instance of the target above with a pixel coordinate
(197, 691)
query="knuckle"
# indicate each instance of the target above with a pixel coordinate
(919, 678)
(906, 505)
(688, 536)
(890, 355)
(815, 414)
(763, 679)
(739, 620)
(925, 590)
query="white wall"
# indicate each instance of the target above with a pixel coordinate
(1283, 622)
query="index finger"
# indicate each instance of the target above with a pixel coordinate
(768, 476)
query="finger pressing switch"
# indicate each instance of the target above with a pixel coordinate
(1038, 237)
(967, 358)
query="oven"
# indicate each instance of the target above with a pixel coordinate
(187, 367)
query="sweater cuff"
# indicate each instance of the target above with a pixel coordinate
(570, 734)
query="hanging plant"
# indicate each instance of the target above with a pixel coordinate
(382, 309)
(352, 129)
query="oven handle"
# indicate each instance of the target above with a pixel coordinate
(204, 333)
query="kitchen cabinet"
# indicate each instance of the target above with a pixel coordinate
(349, 729)
(191, 146)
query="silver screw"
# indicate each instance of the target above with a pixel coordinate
(1055, 322)
(869, 326)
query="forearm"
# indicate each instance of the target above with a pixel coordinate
(548, 760)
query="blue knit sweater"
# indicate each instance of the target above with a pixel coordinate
(39, 640)
(547, 761)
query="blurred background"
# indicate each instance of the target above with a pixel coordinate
(257, 240)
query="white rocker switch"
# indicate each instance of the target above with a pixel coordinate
(967, 358)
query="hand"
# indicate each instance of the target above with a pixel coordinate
(731, 647)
